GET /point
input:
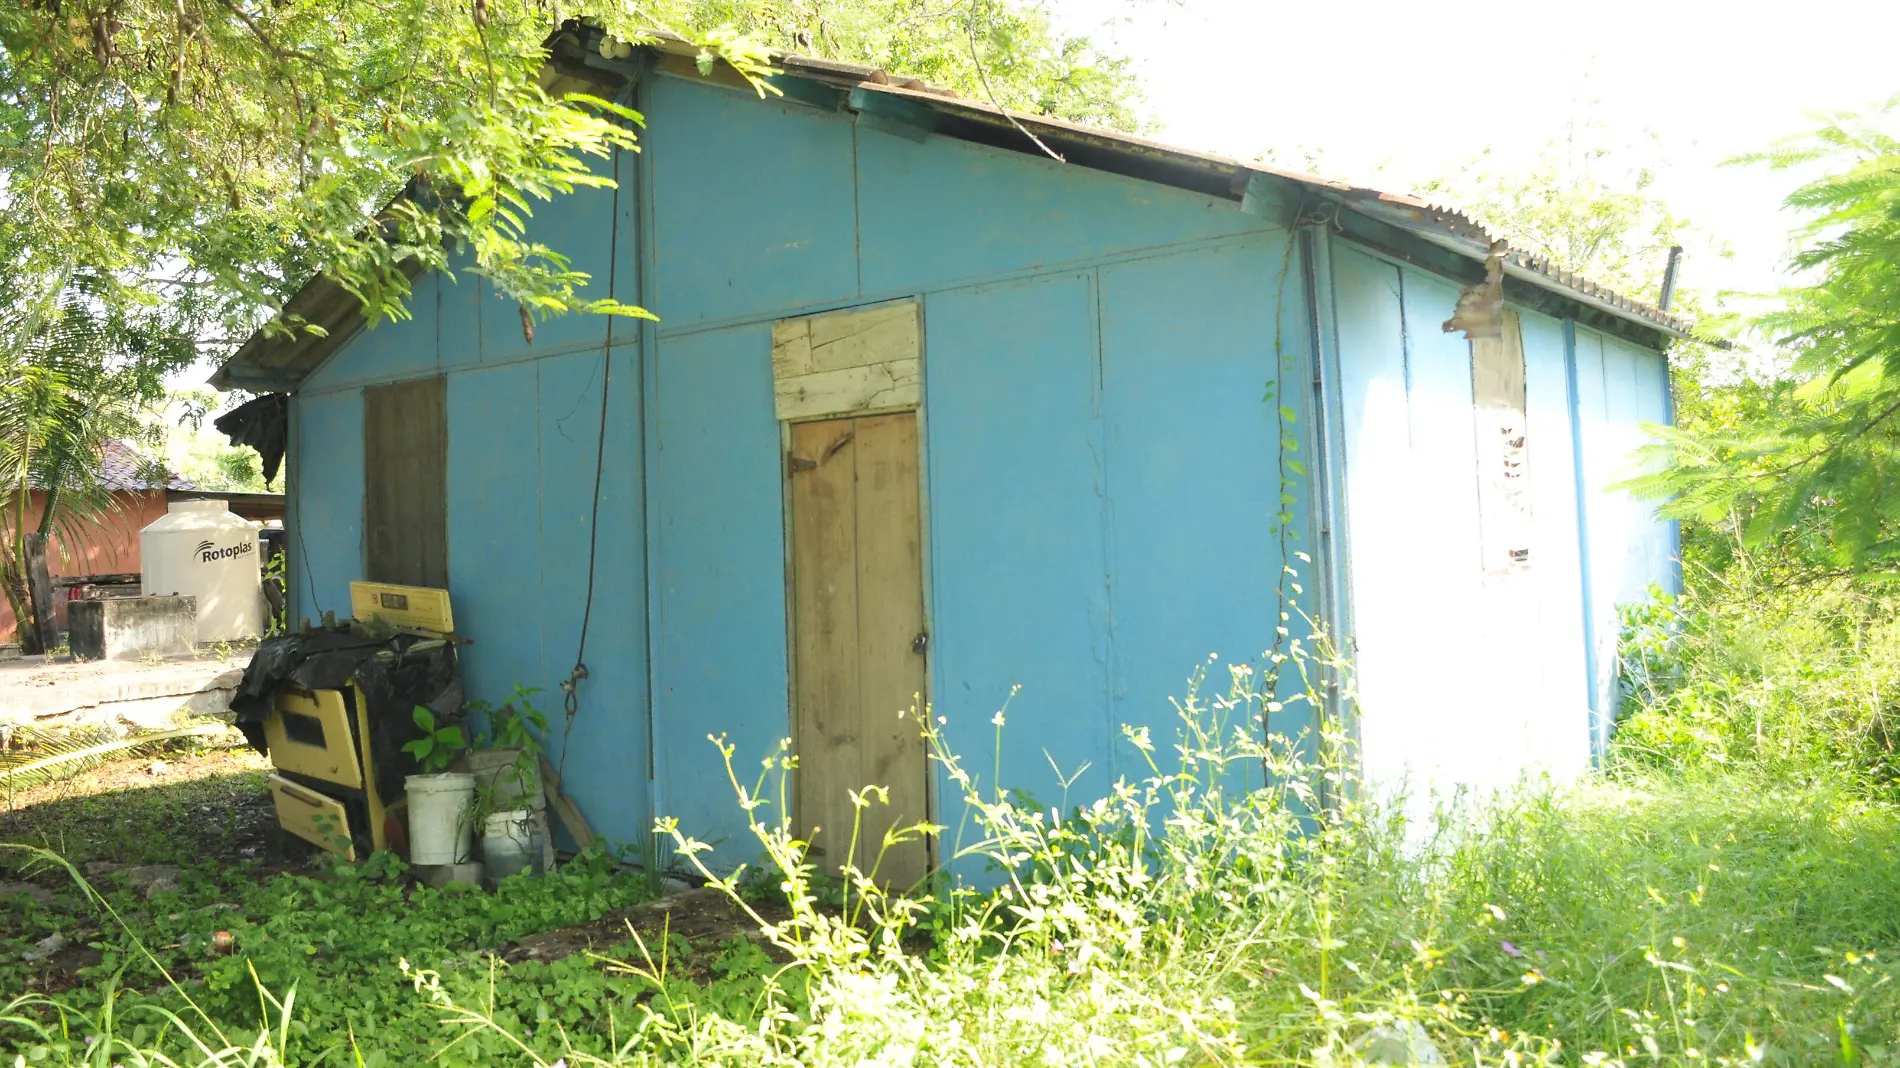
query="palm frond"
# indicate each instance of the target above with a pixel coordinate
(49, 755)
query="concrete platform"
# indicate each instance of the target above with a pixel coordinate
(147, 695)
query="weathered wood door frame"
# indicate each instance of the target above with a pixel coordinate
(800, 412)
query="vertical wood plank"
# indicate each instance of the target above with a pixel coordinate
(405, 478)
(890, 618)
(1498, 403)
(825, 629)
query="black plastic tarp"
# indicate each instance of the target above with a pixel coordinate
(262, 423)
(394, 675)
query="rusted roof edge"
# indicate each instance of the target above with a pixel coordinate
(1467, 238)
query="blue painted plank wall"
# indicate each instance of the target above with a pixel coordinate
(753, 209)
(942, 211)
(494, 498)
(1019, 581)
(851, 214)
(1469, 678)
(1015, 426)
(606, 745)
(1100, 457)
(326, 486)
(1436, 710)
(719, 647)
(1189, 345)
(1375, 441)
(1619, 389)
(1556, 570)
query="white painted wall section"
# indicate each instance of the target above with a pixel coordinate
(1472, 665)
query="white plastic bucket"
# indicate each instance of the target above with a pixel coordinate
(508, 844)
(439, 831)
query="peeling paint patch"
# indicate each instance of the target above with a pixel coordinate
(1504, 496)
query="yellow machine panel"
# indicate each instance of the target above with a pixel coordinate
(327, 792)
(314, 817)
(310, 735)
(407, 607)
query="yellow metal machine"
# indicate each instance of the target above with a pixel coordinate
(325, 786)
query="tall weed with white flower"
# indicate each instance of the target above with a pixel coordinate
(1248, 901)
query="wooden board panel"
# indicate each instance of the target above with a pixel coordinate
(1504, 497)
(850, 389)
(861, 360)
(857, 612)
(825, 636)
(890, 620)
(864, 336)
(405, 469)
(407, 607)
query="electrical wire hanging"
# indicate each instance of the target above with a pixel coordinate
(570, 689)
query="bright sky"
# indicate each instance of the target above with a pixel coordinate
(1425, 87)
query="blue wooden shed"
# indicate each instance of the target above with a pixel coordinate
(928, 411)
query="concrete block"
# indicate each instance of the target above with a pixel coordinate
(133, 628)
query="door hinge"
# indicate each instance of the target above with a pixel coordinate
(920, 642)
(795, 464)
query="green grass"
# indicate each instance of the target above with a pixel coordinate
(209, 803)
(1738, 917)
(335, 933)
(1720, 916)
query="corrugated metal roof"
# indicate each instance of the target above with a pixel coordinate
(123, 470)
(271, 362)
(1442, 223)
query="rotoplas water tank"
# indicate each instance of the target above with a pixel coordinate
(199, 549)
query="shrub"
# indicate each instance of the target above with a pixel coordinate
(1795, 682)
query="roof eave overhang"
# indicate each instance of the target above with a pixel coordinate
(280, 361)
(1137, 157)
(1476, 247)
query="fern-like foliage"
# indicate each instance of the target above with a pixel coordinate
(1827, 463)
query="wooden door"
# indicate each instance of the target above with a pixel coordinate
(405, 483)
(858, 639)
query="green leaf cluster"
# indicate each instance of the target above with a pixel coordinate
(81, 355)
(1002, 50)
(235, 147)
(1814, 473)
(335, 938)
(438, 746)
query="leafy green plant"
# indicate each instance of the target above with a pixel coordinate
(438, 747)
(1811, 471)
(1238, 898)
(1786, 683)
(1189, 918)
(516, 725)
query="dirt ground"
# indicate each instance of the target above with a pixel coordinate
(704, 917)
(165, 806)
(185, 805)
(175, 805)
